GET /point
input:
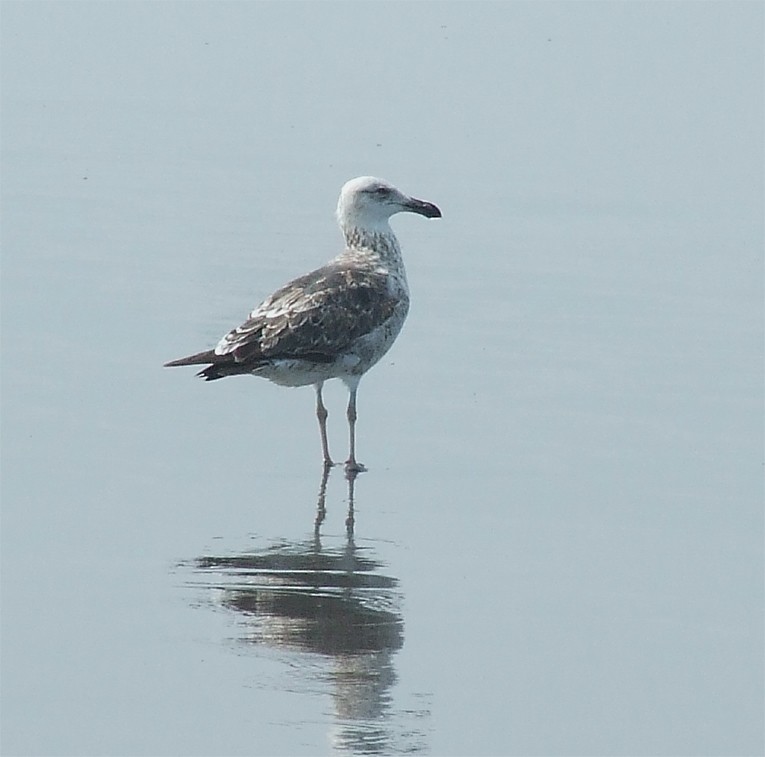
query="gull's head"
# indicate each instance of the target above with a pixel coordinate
(368, 203)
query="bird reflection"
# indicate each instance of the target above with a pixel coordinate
(329, 601)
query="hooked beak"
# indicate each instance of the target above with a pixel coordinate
(427, 209)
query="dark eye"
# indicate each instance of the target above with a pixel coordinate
(382, 191)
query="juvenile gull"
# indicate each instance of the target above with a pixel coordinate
(335, 322)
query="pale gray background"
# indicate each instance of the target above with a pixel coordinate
(565, 445)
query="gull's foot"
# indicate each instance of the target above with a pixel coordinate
(352, 467)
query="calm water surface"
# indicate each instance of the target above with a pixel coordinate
(557, 549)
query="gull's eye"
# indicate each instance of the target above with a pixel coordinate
(382, 191)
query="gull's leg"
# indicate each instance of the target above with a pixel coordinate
(351, 464)
(321, 414)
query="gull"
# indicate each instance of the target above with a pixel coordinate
(335, 322)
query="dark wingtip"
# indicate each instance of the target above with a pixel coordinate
(208, 356)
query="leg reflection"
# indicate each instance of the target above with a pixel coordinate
(350, 520)
(321, 510)
(321, 507)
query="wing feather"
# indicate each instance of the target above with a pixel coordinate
(314, 317)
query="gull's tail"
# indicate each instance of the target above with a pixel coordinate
(218, 366)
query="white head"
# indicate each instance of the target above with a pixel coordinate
(366, 203)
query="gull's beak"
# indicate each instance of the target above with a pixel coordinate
(427, 209)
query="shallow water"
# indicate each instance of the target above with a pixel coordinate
(557, 548)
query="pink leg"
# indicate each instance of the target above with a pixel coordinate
(321, 414)
(352, 464)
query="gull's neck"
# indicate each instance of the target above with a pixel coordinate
(376, 247)
(378, 241)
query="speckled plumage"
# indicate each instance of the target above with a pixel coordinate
(336, 321)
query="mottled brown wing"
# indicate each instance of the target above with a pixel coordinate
(313, 317)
